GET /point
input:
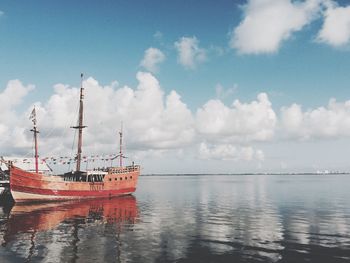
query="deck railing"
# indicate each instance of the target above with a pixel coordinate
(126, 169)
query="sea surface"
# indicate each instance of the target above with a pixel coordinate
(203, 218)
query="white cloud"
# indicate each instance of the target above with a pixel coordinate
(324, 122)
(152, 58)
(154, 122)
(158, 36)
(222, 93)
(159, 125)
(189, 52)
(228, 152)
(1, 13)
(242, 122)
(259, 155)
(336, 27)
(217, 50)
(267, 23)
(11, 97)
(151, 119)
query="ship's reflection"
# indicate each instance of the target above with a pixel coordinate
(229, 219)
(62, 227)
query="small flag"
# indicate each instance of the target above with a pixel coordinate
(32, 116)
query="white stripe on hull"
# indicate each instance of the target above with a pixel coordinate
(23, 197)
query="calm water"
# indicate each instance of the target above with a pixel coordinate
(260, 218)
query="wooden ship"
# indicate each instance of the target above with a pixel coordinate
(97, 183)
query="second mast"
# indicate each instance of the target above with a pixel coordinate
(80, 126)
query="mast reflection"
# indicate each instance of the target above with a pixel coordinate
(29, 225)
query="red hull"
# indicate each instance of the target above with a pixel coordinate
(27, 186)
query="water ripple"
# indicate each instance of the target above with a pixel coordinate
(257, 218)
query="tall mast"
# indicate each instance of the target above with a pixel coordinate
(35, 132)
(121, 145)
(80, 126)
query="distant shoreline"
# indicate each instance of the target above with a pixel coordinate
(234, 174)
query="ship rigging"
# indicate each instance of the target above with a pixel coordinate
(106, 182)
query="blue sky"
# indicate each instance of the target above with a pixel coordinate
(49, 42)
(104, 39)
